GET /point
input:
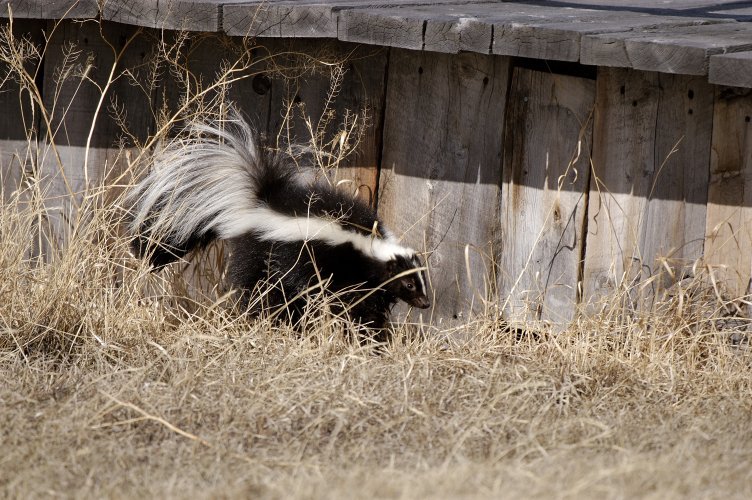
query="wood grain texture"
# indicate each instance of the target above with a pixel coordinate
(360, 92)
(303, 18)
(557, 34)
(534, 31)
(680, 50)
(728, 249)
(204, 59)
(647, 204)
(661, 7)
(50, 9)
(740, 14)
(441, 167)
(203, 15)
(280, 19)
(448, 27)
(278, 87)
(731, 69)
(544, 193)
(401, 28)
(549, 32)
(17, 124)
(77, 114)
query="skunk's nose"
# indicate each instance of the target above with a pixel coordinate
(421, 302)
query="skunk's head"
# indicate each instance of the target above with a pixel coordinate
(410, 286)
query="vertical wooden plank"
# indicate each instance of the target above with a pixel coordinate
(87, 140)
(203, 61)
(647, 204)
(728, 249)
(17, 119)
(360, 91)
(441, 168)
(673, 231)
(546, 170)
(623, 161)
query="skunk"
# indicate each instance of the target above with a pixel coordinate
(285, 231)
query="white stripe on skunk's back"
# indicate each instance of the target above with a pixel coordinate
(272, 226)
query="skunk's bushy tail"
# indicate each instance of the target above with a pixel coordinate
(202, 186)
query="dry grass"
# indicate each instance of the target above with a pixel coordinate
(117, 385)
(121, 398)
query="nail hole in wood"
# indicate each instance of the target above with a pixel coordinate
(261, 84)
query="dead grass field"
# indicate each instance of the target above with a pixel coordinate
(109, 393)
(116, 385)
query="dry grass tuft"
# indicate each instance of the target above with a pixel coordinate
(118, 383)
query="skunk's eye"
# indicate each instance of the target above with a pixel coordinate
(409, 285)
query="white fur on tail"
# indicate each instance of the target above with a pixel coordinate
(198, 183)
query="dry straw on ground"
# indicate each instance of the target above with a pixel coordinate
(116, 384)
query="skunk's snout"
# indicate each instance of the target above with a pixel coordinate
(421, 302)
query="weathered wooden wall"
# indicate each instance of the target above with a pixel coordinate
(531, 186)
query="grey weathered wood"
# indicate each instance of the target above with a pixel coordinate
(203, 62)
(544, 194)
(661, 7)
(534, 31)
(729, 9)
(361, 91)
(50, 9)
(17, 126)
(559, 36)
(741, 14)
(733, 69)
(681, 50)
(441, 167)
(675, 216)
(73, 104)
(401, 28)
(728, 249)
(443, 27)
(203, 15)
(303, 18)
(646, 205)
(280, 19)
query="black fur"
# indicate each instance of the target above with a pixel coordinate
(277, 185)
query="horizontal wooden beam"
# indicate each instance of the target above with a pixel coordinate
(680, 49)
(203, 15)
(671, 36)
(49, 9)
(732, 69)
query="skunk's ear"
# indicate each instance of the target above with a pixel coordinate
(391, 266)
